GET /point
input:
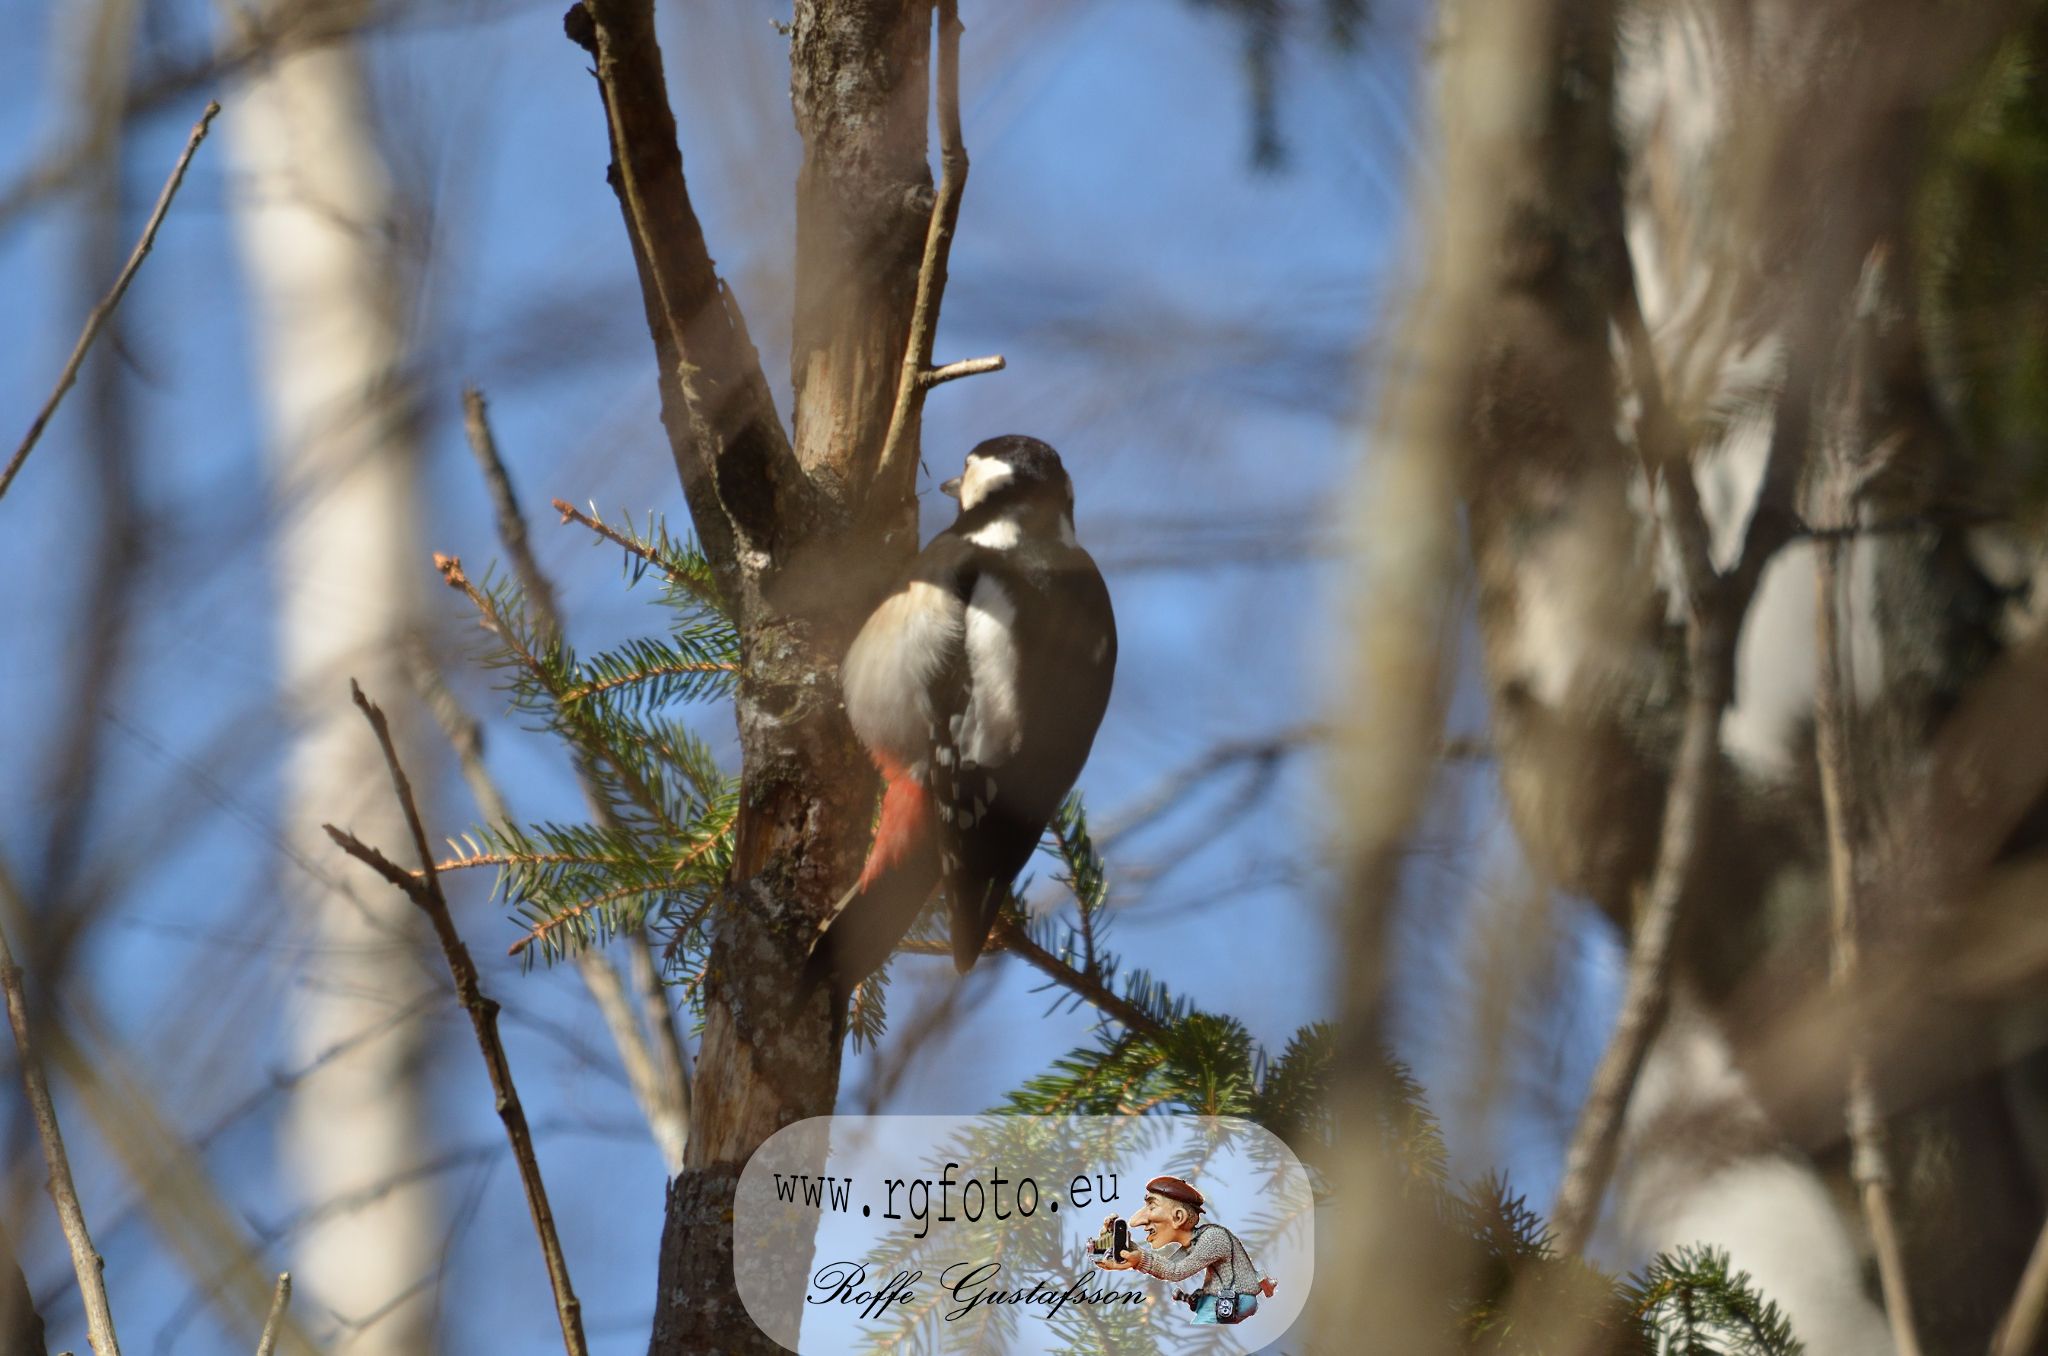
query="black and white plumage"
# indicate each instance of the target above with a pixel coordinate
(976, 686)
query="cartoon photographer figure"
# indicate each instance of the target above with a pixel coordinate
(1172, 1215)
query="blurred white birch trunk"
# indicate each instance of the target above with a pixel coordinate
(312, 204)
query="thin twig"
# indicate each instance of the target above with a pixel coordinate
(1261, 751)
(571, 514)
(511, 523)
(1716, 604)
(1090, 987)
(272, 1326)
(671, 1070)
(85, 1259)
(103, 312)
(653, 1059)
(465, 735)
(425, 891)
(1869, 1166)
(2020, 1328)
(899, 447)
(966, 367)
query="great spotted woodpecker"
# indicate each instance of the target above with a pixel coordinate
(976, 686)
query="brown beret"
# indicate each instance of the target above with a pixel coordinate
(1174, 1189)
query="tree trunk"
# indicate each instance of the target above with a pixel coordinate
(313, 213)
(799, 558)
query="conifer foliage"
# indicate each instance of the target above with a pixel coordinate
(658, 855)
(662, 844)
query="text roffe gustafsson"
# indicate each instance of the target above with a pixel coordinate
(971, 1284)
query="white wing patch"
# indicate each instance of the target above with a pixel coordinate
(888, 672)
(990, 734)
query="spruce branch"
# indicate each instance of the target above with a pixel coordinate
(1694, 1302)
(546, 929)
(681, 565)
(102, 313)
(541, 660)
(1090, 987)
(646, 672)
(424, 890)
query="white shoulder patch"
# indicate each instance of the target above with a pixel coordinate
(990, 734)
(1000, 535)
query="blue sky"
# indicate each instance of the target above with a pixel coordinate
(1190, 332)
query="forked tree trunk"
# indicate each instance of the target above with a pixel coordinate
(796, 550)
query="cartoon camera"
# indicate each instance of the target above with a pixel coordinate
(1114, 1240)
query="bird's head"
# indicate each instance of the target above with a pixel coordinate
(1012, 487)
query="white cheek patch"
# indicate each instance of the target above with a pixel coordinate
(984, 475)
(991, 732)
(888, 672)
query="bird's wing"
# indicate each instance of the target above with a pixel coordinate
(991, 813)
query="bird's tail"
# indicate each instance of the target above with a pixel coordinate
(872, 917)
(974, 905)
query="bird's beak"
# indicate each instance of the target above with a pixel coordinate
(951, 489)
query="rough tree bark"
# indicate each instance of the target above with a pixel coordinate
(784, 522)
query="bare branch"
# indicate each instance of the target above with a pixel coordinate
(85, 1259)
(1014, 938)
(2022, 1324)
(671, 1070)
(1716, 606)
(1869, 1166)
(425, 891)
(1261, 752)
(272, 1326)
(966, 367)
(1663, 449)
(540, 591)
(894, 473)
(103, 312)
